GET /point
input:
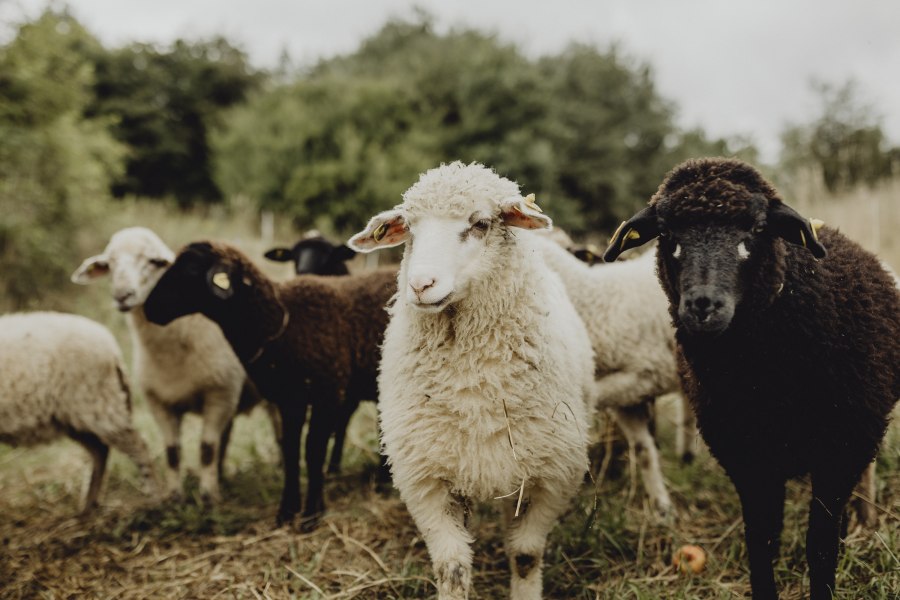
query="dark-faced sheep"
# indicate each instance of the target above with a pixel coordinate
(789, 348)
(314, 255)
(308, 341)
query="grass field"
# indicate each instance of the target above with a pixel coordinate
(607, 546)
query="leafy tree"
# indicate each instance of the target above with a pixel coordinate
(845, 143)
(55, 165)
(585, 130)
(164, 103)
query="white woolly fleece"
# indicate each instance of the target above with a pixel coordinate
(627, 317)
(515, 338)
(60, 372)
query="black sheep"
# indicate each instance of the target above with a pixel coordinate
(308, 341)
(314, 255)
(789, 348)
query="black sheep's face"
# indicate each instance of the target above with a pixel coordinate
(315, 256)
(707, 262)
(706, 266)
(197, 282)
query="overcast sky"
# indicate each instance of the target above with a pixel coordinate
(732, 67)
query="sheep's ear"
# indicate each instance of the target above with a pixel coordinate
(279, 254)
(636, 231)
(385, 230)
(791, 226)
(343, 253)
(585, 254)
(219, 281)
(90, 269)
(524, 213)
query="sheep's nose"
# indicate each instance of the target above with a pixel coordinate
(702, 305)
(420, 284)
(121, 297)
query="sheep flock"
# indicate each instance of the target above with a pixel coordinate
(499, 357)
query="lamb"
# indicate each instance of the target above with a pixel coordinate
(788, 347)
(626, 315)
(314, 254)
(187, 367)
(63, 376)
(484, 371)
(308, 341)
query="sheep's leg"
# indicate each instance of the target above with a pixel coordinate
(293, 415)
(218, 411)
(526, 537)
(99, 453)
(223, 447)
(321, 426)
(131, 444)
(687, 431)
(865, 507)
(762, 504)
(441, 519)
(826, 509)
(634, 421)
(340, 433)
(277, 427)
(169, 423)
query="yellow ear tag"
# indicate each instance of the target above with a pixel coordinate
(816, 225)
(221, 280)
(379, 233)
(617, 232)
(530, 203)
(803, 239)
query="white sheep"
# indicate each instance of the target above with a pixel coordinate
(626, 314)
(484, 370)
(61, 375)
(184, 367)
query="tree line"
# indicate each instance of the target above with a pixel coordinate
(195, 123)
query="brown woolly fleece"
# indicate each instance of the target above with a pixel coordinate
(313, 340)
(707, 189)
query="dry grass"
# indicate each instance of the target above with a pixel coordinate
(607, 546)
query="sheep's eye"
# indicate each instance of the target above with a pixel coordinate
(481, 225)
(159, 263)
(759, 228)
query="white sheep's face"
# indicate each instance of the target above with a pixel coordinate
(446, 254)
(135, 259)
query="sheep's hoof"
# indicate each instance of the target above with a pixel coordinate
(309, 523)
(285, 516)
(664, 512)
(210, 497)
(453, 581)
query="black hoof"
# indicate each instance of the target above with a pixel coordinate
(309, 523)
